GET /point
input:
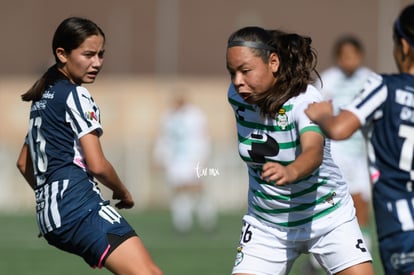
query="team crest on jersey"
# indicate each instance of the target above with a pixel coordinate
(91, 116)
(239, 256)
(282, 119)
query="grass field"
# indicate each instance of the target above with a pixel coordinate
(21, 252)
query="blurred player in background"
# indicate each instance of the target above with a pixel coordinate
(181, 150)
(340, 84)
(298, 201)
(385, 112)
(62, 155)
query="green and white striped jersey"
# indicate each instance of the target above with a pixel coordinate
(321, 200)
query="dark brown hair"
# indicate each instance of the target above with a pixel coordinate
(297, 64)
(347, 40)
(404, 26)
(69, 35)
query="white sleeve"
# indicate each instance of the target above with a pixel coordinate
(82, 113)
(368, 103)
(302, 102)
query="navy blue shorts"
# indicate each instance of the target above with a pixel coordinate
(397, 253)
(94, 236)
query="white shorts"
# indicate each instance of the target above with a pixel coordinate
(354, 169)
(261, 252)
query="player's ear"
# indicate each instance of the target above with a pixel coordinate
(61, 55)
(274, 62)
(405, 46)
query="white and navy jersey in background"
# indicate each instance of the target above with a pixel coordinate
(341, 89)
(385, 108)
(64, 114)
(318, 202)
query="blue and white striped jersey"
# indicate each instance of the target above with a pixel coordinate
(320, 201)
(64, 114)
(385, 108)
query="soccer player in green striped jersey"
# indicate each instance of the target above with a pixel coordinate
(298, 201)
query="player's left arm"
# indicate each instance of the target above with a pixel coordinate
(25, 165)
(103, 171)
(308, 161)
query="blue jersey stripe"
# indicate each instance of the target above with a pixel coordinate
(387, 114)
(58, 120)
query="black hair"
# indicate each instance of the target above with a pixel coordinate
(69, 35)
(404, 26)
(347, 40)
(297, 63)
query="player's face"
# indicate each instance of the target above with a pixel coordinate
(83, 64)
(249, 74)
(349, 59)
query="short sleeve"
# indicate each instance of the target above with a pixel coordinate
(369, 102)
(302, 121)
(82, 112)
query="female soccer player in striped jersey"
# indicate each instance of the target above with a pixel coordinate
(298, 201)
(385, 112)
(62, 155)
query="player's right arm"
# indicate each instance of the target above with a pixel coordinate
(25, 165)
(338, 127)
(103, 171)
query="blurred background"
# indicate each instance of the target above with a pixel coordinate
(156, 49)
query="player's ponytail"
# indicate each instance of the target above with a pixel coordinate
(48, 78)
(297, 69)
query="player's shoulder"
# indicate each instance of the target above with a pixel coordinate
(59, 91)
(401, 78)
(401, 83)
(66, 86)
(374, 80)
(81, 93)
(81, 90)
(300, 102)
(331, 75)
(311, 94)
(364, 70)
(331, 72)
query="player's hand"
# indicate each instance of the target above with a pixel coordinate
(319, 110)
(275, 173)
(125, 202)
